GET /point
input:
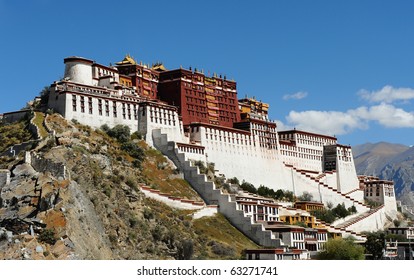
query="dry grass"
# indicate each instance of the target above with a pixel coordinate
(217, 228)
(38, 121)
(58, 123)
(12, 134)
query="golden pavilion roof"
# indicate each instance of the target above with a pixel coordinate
(127, 60)
(159, 67)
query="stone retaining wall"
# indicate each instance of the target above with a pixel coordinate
(56, 169)
(4, 177)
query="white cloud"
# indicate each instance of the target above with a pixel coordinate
(297, 96)
(325, 122)
(339, 123)
(282, 126)
(385, 114)
(387, 94)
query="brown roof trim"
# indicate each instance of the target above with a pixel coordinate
(105, 67)
(158, 104)
(309, 202)
(229, 129)
(77, 58)
(295, 131)
(190, 145)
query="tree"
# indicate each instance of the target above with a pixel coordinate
(279, 194)
(352, 209)
(306, 196)
(340, 211)
(397, 223)
(341, 249)
(289, 196)
(44, 95)
(234, 180)
(248, 187)
(324, 215)
(374, 245)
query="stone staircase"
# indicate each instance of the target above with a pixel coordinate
(317, 180)
(344, 232)
(213, 196)
(359, 218)
(348, 193)
(172, 201)
(357, 221)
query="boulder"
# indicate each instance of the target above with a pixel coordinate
(23, 170)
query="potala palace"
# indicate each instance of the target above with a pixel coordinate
(190, 116)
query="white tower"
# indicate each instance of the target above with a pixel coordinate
(78, 70)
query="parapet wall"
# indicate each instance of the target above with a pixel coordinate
(373, 222)
(4, 177)
(15, 116)
(40, 164)
(33, 128)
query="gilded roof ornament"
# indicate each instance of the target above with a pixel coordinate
(127, 60)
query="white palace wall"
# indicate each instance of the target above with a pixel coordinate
(109, 112)
(346, 172)
(238, 154)
(151, 117)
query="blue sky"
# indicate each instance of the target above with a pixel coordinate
(342, 68)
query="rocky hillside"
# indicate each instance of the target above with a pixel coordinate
(77, 195)
(391, 162)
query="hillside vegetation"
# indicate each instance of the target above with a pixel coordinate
(11, 134)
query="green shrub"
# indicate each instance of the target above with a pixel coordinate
(221, 249)
(132, 183)
(120, 132)
(133, 150)
(48, 236)
(3, 237)
(133, 221)
(148, 214)
(185, 250)
(137, 136)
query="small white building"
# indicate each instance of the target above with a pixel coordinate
(260, 209)
(406, 232)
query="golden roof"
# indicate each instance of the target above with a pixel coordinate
(159, 67)
(127, 60)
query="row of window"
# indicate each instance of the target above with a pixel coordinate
(230, 140)
(301, 155)
(249, 208)
(263, 127)
(193, 150)
(161, 116)
(129, 111)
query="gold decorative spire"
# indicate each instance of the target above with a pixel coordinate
(127, 60)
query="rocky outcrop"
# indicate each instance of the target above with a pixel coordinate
(40, 164)
(4, 178)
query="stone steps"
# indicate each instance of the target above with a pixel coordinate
(213, 196)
